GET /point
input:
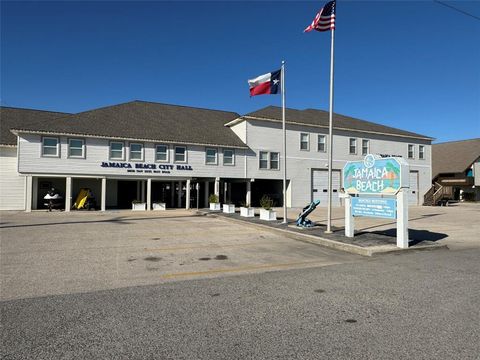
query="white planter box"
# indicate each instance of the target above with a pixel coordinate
(247, 212)
(229, 208)
(139, 206)
(159, 206)
(215, 206)
(268, 215)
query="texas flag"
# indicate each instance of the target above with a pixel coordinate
(265, 84)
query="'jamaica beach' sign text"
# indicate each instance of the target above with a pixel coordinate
(375, 175)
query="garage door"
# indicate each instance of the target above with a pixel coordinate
(413, 191)
(320, 186)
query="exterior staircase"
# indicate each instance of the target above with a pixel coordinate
(438, 195)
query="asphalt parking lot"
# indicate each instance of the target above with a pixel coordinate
(60, 253)
(111, 286)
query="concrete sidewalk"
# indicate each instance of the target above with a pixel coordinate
(456, 227)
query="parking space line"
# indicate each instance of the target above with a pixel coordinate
(249, 268)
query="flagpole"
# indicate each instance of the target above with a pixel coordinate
(285, 219)
(330, 139)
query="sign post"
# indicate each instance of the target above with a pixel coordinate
(377, 187)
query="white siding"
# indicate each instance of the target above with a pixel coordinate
(97, 151)
(267, 136)
(12, 185)
(240, 130)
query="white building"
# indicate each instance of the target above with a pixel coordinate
(158, 153)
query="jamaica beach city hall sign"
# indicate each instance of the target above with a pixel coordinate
(377, 187)
(142, 168)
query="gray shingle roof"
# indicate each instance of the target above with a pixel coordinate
(16, 117)
(149, 121)
(454, 157)
(320, 118)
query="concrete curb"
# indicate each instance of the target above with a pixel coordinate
(332, 244)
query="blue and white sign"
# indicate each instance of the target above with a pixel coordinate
(374, 207)
(375, 175)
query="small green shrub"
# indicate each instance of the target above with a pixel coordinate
(213, 198)
(266, 202)
(244, 204)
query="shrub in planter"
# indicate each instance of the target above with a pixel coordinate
(214, 204)
(246, 210)
(266, 213)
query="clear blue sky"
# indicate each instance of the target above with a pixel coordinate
(409, 64)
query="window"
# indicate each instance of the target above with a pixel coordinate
(411, 151)
(321, 143)
(421, 152)
(180, 154)
(161, 153)
(116, 150)
(365, 146)
(353, 146)
(304, 141)
(269, 160)
(136, 151)
(263, 160)
(228, 157)
(76, 148)
(50, 147)
(211, 156)
(274, 156)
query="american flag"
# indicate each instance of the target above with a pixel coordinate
(325, 19)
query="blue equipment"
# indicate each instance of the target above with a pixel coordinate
(302, 220)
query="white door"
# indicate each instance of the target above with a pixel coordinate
(320, 187)
(413, 191)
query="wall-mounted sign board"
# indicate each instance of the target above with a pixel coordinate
(374, 207)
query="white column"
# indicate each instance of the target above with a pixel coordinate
(349, 219)
(103, 202)
(248, 198)
(28, 194)
(402, 218)
(179, 195)
(187, 195)
(68, 193)
(225, 188)
(149, 194)
(206, 193)
(217, 187)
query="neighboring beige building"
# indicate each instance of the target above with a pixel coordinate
(455, 171)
